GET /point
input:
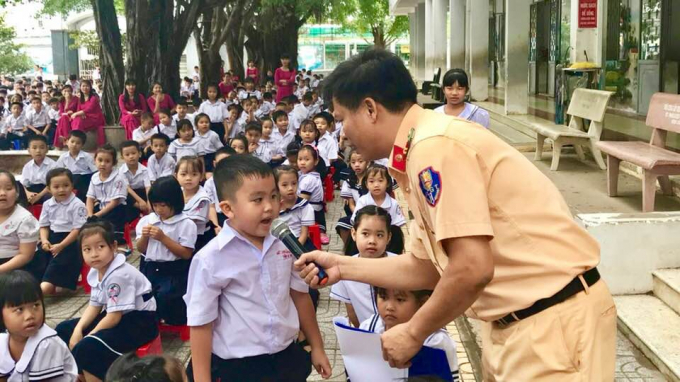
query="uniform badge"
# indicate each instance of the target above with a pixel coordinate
(431, 185)
(114, 292)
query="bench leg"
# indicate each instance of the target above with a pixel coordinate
(666, 186)
(612, 175)
(597, 154)
(557, 151)
(540, 140)
(648, 191)
(579, 153)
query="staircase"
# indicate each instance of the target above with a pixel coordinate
(652, 321)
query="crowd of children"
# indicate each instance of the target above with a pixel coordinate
(203, 190)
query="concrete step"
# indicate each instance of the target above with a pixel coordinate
(654, 328)
(667, 287)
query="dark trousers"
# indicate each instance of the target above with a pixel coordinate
(7, 142)
(132, 212)
(96, 353)
(169, 282)
(320, 218)
(218, 127)
(208, 160)
(117, 218)
(292, 364)
(81, 182)
(64, 269)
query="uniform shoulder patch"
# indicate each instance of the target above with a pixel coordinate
(113, 292)
(431, 185)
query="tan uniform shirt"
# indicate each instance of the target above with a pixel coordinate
(461, 180)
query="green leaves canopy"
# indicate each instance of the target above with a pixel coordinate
(12, 59)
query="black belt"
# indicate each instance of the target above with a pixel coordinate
(575, 286)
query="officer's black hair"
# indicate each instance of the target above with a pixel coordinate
(225, 150)
(34, 138)
(456, 76)
(152, 368)
(377, 169)
(230, 173)
(19, 287)
(167, 190)
(55, 172)
(374, 73)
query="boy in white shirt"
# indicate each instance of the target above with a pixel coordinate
(137, 176)
(161, 163)
(13, 126)
(302, 111)
(250, 90)
(38, 120)
(166, 126)
(245, 318)
(267, 106)
(34, 173)
(79, 162)
(143, 134)
(182, 113)
(283, 134)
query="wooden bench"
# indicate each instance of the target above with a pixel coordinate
(655, 161)
(586, 104)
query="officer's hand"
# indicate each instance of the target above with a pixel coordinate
(308, 271)
(399, 346)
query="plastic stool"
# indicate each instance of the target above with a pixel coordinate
(314, 232)
(183, 331)
(16, 144)
(328, 188)
(126, 232)
(153, 347)
(84, 270)
(36, 210)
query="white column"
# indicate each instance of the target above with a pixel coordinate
(517, 55)
(590, 40)
(457, 37)
(420, 42)
(412, 36)
(429, 39)
(439, 8)
(479, 50)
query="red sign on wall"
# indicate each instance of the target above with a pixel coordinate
(587, 13)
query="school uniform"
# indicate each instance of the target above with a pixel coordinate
(243, 94)
(301, 214)
(189, 117)
(283, 140)
(139, 134)
(255, 323)
(122, 289)
(160, 167)
(82, 167)
(198, 210)
(169, 130)
(389, 204)
(310, 184)
(167, 272)
(239, 125)
(300, 113)
(34, 177)
(209, 143)
(12, 129)
(54, 115)
(21, 227)
(262, 153)
(211, 190)
(61, 218)
(179, 149)
(437, 340)
(351, 189)
(265, 109)
(139, 182)
(106, 191)
(328, 149)
(45, 357)
(38, 120)
(217, 111)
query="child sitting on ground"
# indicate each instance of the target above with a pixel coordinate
(143, 135)
(167, 237)
(210, 142)
(13, 127)
(271, 144)
(245, 318)
(121, 315)
(35, 171)
(160, 163)
(239, 143)
(253, 135)
(60, 222)
(29, 349)
(166, 125)
(282, 134)
(19, 230)
(79, 162)
(189, 173)
(137, 176)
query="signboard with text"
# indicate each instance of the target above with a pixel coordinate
(587, 13)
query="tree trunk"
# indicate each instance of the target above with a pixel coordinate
(255, 49)
(234, 45)
(110, 56)
(143, 29)
(378, 37)
(280, 25)
(209, 60)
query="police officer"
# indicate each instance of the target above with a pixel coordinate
(492, 236)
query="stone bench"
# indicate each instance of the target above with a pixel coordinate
(586, 105)
(14, 160)
(115, 135)
(655, 161)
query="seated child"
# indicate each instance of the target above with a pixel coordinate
(351, 191)
(271, 144)
(121, 315)
(166, 126)
(182, 113)
(143, 134)
(108, 188)
(19, 232)
(216, 111)
(310, 187)
(371, 232)
(29, 349)
(308, 135)
(245, 318)
(217, 217)
(283, 133)
(236, 121)
(292, 151)
(253, 135)
(79, 162)
(160, 163)
(34, 172)
(152, 368)
(186, 144)
(60, 221)
(210, 142)
(327, 145)
(38, 121)
(239, 143)
(13, 127)
(397, 307)
(137, 176)
(189, 173)
(167, 237)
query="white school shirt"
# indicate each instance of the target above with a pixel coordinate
(300, 113)
(45, 358)
(351, 191)
(160, 167)
(179, 149)
(283, 139)
(471, 112)
(14, 125)
(217, 111)
(262, 153)
(139, 135)
(211, 190)
(33, 174)
(389, 204)
(106, 191)
(239, 125)
(301, 214)
(248, 301)
(310, 184)
(359, 295)
(63, 216)
(265, 109)
(122, 289)
(272, 145)
(54, 114)
(170, 131)
(210, 142)
(189, 117)
(38, 119)
(20, 228)
(138, 180)
(180, 228)
(82, 164)
(328, 148)
(337, 132)
(198, 208)
(437, 340)
(243, 94)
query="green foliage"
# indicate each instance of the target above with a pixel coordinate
(64, 7)
(12, 59)
(371, 17)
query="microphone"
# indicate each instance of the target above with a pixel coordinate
(281, 231)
